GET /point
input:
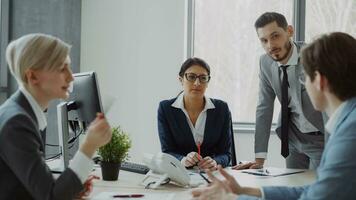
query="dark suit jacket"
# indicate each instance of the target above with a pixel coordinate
(177, 138)
(23, 171)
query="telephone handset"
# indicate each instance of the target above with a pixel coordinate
(164, 167)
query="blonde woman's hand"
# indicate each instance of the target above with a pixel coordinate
(98, 134)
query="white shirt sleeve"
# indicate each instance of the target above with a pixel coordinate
(81, 165)
(261, 155)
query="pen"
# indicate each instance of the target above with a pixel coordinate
(202, 175)
(198, 145)
(264, 171)
(289, 173)
(128, 196)
(255, 173)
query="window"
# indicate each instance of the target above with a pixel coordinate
(324, 16)
(224, 36)
(4, 12)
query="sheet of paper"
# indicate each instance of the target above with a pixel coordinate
(107, 102)
(147, 196)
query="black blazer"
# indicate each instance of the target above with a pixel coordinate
(177, 138)
(23, 171)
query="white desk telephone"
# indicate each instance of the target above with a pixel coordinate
(165, 167)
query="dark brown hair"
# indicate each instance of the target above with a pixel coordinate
(269, 17)
(333, 56)
(193, 61)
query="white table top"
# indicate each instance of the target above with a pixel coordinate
(129, 182)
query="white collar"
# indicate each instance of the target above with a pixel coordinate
(179, 103)
(330, 125)
(293, 60)
(40, 116)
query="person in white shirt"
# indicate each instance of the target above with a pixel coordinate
(41, 66)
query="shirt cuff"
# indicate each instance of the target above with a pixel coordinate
(261, 155)
(81, 165)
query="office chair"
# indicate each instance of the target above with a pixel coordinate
(233, 152)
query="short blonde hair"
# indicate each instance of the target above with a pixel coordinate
(35, 51)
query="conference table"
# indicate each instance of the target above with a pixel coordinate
(129, 183)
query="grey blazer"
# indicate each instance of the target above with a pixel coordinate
(23, 171)
(269, 88)
(336, 177)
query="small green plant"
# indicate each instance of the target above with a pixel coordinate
(116, 151)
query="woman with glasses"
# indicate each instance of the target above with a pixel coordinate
(192, 127)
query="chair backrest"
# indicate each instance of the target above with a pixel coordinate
(233, 152)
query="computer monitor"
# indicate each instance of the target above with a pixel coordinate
(81, 107)
(86, 96)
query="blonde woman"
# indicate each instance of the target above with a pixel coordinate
(41, 65)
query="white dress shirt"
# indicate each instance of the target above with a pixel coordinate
(80, 164)
(199, 128)
(297, 115)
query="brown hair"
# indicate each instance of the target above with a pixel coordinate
(269, 17)
(333, 56)
(193, 61)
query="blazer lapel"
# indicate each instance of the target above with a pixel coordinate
(276, 80)
(295, 79)
(183, 125)
(209, 125)
(20, 99)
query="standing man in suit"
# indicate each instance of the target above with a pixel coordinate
(299, 126)
(41, 65)
(330, 67)
(192, 127)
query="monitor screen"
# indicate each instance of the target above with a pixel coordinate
(86, 96)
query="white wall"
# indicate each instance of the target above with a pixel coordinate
(137, 47)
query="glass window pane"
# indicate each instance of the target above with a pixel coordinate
(323, 16)
(226, 38)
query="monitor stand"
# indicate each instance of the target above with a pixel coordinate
(59, 165)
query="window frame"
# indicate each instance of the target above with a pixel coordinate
(4, 39)
(299, 27)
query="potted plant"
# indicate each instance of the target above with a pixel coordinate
(114, 153)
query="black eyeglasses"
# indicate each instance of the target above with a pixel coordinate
(192, 77)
